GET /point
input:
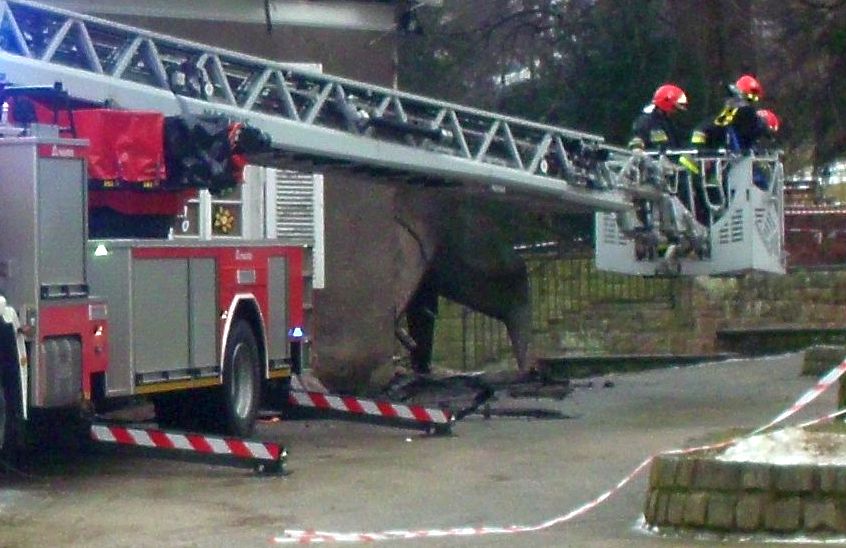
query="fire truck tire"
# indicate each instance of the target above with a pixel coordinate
(66, 430)
(10, 419)
(3, 418)
(241, 381)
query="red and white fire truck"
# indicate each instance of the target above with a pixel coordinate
(138, 259)
(175, 314)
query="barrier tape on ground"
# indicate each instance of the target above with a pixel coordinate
(161, 439)
(826, 418)
(824, 383)
(292, 536)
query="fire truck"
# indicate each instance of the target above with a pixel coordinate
(140, 257)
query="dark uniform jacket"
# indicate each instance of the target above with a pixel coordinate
(737, 127)
(653, 130)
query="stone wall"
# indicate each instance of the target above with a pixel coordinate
(593, 315)
(701, 493)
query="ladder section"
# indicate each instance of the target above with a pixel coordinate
(309, 115)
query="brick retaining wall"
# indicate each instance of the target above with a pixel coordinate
(702, 493)
(684, 317)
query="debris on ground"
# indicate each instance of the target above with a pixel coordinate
(522, 412)
(461, 394)
(465, 393)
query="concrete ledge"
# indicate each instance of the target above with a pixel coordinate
(703, 494)
(761, 340)
(575, 366)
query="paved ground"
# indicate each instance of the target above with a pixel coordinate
(350, 477)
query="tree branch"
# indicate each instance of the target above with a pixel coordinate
(824, 5)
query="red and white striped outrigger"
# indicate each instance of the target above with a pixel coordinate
(262, 456)
(436, 421)
(268, 457)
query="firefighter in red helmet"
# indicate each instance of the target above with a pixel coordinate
(748, 87)
(769, 124)
(770, 119)
(737, 127)
(653, 129)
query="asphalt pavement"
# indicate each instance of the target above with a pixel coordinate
(348, 477)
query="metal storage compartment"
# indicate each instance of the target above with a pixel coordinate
(163, 315)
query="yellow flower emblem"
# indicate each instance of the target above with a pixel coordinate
(224, 220)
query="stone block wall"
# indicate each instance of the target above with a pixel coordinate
(577, 311)
(701, 493)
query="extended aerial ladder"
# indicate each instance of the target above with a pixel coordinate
(306, 113)
(329, 120)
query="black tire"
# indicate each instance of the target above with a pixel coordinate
(241, 381)
(230, 409)
(11, 423)
(65, 431)
(4, 419)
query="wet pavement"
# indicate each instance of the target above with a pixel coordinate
(348, 477)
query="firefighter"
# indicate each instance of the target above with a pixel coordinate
(738, 126)
(654, 129)
(771, 122)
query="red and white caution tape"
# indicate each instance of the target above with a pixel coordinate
(292, 536)
(824, 383)
(198, 443)
(308, 537)
(826, 418)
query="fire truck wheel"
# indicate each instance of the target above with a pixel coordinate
(10, 420)
(241, 380)
(3, 418)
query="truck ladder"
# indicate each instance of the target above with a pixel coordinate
(309, 115)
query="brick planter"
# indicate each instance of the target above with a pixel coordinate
(704, 494)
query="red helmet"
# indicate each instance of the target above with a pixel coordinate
(769, 117)
(669, 98)
(749, 87)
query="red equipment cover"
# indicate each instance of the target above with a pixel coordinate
(139, 202)
(126, 146)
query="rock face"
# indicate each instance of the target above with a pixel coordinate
(700, 493)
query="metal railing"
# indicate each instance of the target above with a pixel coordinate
(563, 291)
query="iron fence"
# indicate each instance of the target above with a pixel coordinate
(563, 292)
